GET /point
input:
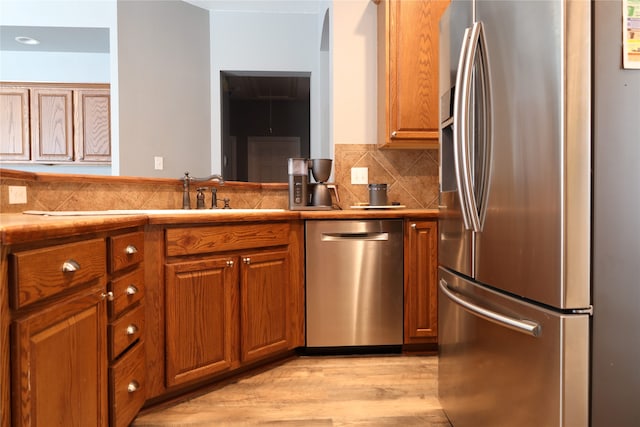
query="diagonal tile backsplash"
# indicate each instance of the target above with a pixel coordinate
(411, 175)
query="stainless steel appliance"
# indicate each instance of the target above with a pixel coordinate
(516, 251)
(354, 283)
(307, 195)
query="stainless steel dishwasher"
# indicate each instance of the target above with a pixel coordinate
(354, 282)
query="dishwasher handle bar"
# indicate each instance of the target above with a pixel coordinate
(369, 236)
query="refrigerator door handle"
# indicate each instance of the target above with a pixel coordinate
(458, 126)
(474, 45)
(524, 326)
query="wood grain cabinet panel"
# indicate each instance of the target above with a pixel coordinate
(52, 124)
(59, 364)
(421, 271)
(92, 125)
(201, 318)
(264, 287)
(55, 123)
(408, 95)
(43, 272)
(14, 123)
(127, 383)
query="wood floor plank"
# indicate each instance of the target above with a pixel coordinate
(319, 391)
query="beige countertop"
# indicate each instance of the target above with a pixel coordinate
(21, 228)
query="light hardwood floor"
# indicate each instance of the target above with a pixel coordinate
(319, 391)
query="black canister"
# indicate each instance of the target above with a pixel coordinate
(377, 194)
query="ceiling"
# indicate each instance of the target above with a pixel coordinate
(56, 39)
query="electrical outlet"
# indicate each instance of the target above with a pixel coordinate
(17, 195)
(158, 163)
(359, 175)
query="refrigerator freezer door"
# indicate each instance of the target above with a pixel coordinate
(535, 241)
(528, 367)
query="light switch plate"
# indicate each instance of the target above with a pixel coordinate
(158, 163)
(17, 195)
(359, 175)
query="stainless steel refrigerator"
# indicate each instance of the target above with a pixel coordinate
(539, 277)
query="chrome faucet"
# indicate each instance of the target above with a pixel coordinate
(187, 179)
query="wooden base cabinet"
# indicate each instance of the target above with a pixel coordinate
(60, 367)
(76, 325)
(233, 296)
(264, 288)
(421, 275)
(200, 318)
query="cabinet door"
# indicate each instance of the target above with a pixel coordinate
(408, 72)
(14, 123)
(421, 270)
(201, 321)
(60, 364)
(92, 125)
(51, 124)
(264, 287)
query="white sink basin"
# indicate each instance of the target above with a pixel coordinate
(154, 212)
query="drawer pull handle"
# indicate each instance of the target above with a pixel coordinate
(132, 329)
(133, 386)
(229, 263)
(246, 260)
(131, 290)
(107, 295)
(130, 250)
(70, 266)
(414, 225)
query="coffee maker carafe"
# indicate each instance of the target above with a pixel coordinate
(306, 195)
(321, 170)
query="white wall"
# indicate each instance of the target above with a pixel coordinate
(263, 40)
(164, 88)
(354, 71)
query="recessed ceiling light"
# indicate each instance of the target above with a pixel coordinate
(27, 40)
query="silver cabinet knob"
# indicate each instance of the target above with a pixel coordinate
(133, 386)
(70, 266)
(246, 260)
(414, 225)
(130, 250)
(394, 134)
(107, 295)
(131, 329)
(131, 290)
(229, 263)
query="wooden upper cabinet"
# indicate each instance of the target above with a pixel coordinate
(92, 129)
(408, 72)
(55, 123)
(14, 123)
(52, 124)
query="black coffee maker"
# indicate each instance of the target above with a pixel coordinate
(307, 195)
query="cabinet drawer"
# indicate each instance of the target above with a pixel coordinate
(125, 331)
(125, 250)
(186, 241)
(127, 386)
(127, 290)
(40, 273)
